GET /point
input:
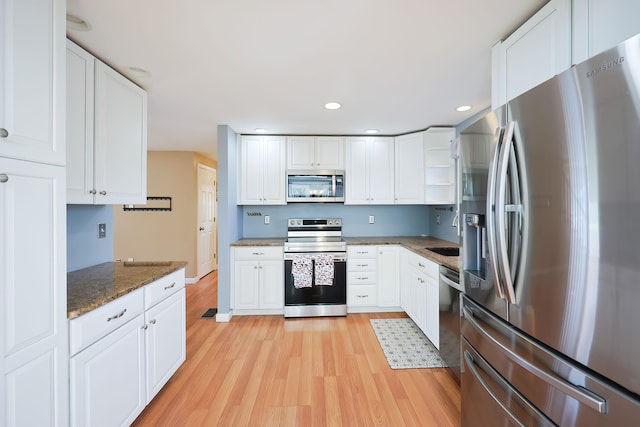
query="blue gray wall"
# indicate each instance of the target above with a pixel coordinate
(84, 249)
(229, 213)
(443, 230)
(389, 220)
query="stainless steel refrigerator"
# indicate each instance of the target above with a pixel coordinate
(551, 251)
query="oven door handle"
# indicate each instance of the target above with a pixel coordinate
(337, 257)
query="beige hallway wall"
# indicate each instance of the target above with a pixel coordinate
(163, 236)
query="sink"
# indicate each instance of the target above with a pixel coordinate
(445, 251)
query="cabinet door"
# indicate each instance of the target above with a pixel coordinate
(245, 283)
(80, 83)
(32, 73)
(300, 152)
(388, 276)
(381, 171)
(601, 24)
(273, 170)
(409, 169)
(418, 295)
(120, 138)
(165, 341)
(329, 153)
(356, 180)
(33, 315)
(271, 279)
(249, 173)
(535, 52)
(107, 379)
(432, 312)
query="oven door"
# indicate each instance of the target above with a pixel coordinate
(317, 295)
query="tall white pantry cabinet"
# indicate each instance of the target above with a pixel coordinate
(33, 298)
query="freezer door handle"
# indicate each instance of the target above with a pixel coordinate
(471, 363)
(581, 394)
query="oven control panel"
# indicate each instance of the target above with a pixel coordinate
(300, 222)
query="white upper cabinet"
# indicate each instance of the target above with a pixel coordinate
(601, 24)
(535, 52)
(261, 170)
(120, 138)
(32, 95)
(107, 133)
(80, 78)
(439, 167)
(369, 171)
(409, 169)
(315, 153)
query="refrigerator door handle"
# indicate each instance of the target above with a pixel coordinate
(500, 214)
(471, 363)
(581, 394)
(491, 211)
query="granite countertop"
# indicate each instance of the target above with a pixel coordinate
(417, 244)
(91, 287)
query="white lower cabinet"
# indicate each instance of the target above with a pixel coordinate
(258, 279)
(108, 378)
(124, 352)
(362, 278)
(389, 276)
(420, 294)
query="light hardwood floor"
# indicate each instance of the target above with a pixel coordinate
(268, 371)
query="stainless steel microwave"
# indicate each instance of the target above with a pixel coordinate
(315, 186)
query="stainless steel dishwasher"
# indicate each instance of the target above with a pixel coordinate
(450, 294)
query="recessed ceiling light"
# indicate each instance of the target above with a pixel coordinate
(139, 72)
(371, 131)
(77, 23)
(332, 105)
(261, 130)
(463, 108)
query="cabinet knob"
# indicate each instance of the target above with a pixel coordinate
(4, 133)
(144, 328)
(104, 193)
(201, 228)
(93, 191)
(4, 177)
(152, 321)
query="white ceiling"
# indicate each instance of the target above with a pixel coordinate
(395, 65)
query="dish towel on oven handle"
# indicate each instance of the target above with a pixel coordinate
(324, 270)
(302, 271)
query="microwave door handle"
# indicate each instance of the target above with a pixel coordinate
(333, 185)
(491, 210)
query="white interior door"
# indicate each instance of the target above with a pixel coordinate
(207, 213)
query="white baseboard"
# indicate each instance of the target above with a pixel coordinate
(190, 280)
(224, 317)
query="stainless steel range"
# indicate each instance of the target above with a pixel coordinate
(315, 268)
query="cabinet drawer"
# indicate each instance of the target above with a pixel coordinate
(362, 295)
(90, 327)
(425, 266)
(258, 252)
(362, 264)
(156, 291)
(361, 277)
(361, 251)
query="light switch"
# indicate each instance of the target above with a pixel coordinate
(267, 219)
(372, 219)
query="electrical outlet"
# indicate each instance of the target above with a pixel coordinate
(267, 219)
(102, 231)
(372, 219)
(437, 219)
